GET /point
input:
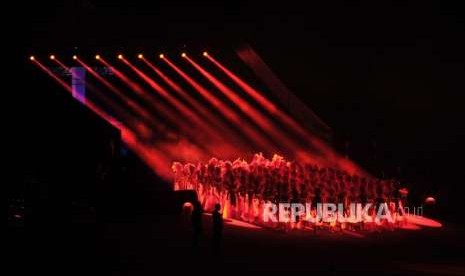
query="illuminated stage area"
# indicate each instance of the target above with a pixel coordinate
(176, 111)
(247, 137)
(247, 191)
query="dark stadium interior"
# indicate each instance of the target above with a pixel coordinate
(387, 78)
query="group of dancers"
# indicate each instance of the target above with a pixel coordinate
(243, 188)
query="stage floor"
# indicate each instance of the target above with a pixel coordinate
(165, 242)
(152, 244)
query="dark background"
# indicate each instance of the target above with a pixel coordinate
(386, 77)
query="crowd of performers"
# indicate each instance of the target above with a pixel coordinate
(243, 189)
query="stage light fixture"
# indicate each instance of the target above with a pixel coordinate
(161, 56)
(430, 200)
(183, 55)
(140, 56)
(205, 54)
(52, 57)
(120, 56)
(74, 57)
(97, 56)
(32, 58)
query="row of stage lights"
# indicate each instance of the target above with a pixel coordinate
(120, 56)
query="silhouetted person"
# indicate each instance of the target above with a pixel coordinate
(196, 223)
(217, 227)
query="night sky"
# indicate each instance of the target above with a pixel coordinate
(390, 73)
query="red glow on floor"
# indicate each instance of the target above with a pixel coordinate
(423, 221)
(239, 223)
(409, 226)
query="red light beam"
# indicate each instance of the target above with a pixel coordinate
(224, 109)
(187, 113)
(62, 83)
(288, 121)
(156, 159)
(167, 113)
(136, 108)
(250, 111)
(61, 64)
(195, 104)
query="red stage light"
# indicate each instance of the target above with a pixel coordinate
(161, 56)
(52, 57)
(430, 200)
(141, 56)
(97, 56)
(183, 55)
(120, 56)
(32, 58)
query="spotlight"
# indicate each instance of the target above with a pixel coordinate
(141, 56)
(74, 57)
(161, 56)
(205, 54)
(120, 56)
(430, 200)
(183, 55)
(32, 58)
(97, 56)
(52, 57)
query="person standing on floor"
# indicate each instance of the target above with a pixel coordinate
(217, 227)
